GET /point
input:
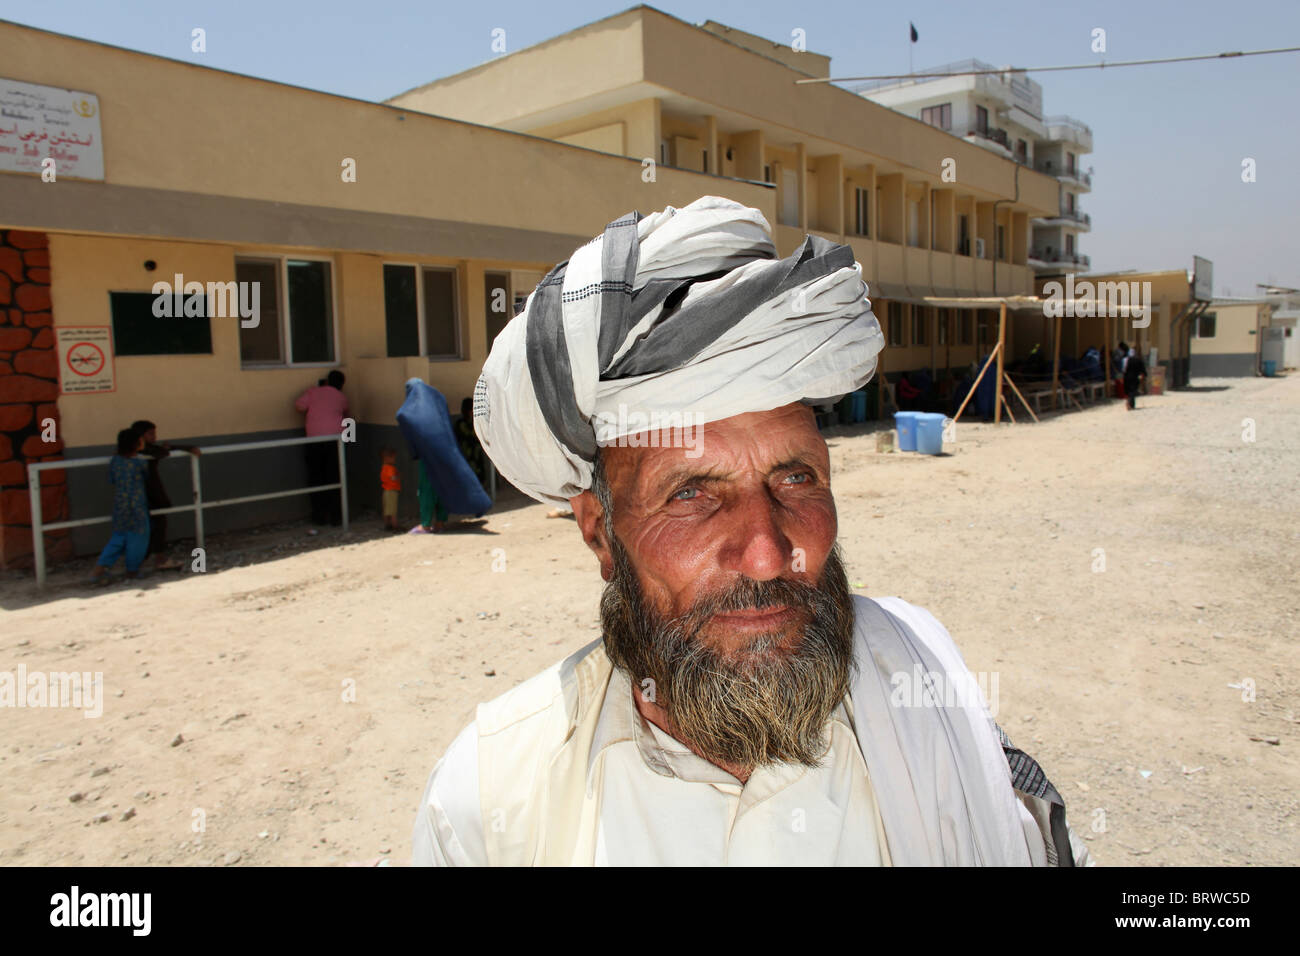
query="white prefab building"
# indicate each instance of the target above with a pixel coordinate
(1228, 338)
(1002, 112)
(1286, 316)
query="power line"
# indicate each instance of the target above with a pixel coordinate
(1054, 69)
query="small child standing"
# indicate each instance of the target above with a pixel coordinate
(130, 538)
(391, 483)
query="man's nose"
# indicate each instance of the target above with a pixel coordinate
(758, 546)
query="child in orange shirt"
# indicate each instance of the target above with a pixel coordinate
(391, 483)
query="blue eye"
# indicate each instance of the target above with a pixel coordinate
(686, 491)
(803, 476)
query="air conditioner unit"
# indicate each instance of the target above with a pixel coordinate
(979, 248)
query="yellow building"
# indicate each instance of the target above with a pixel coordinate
(385, 238)
(1226, 337)
(1169, 306)
(926, 212)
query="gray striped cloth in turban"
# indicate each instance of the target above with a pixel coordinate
(684, 315)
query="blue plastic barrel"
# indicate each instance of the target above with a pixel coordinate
(1270, 368)
(929, 433)
(859, 406)
(905, 422)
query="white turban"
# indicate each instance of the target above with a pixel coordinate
(686, 316)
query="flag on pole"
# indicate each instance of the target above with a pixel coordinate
(915, 36)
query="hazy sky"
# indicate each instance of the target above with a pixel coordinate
(1169, 140)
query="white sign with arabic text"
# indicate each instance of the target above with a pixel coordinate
(44, 122)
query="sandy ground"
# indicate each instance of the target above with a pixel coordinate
(227, 735)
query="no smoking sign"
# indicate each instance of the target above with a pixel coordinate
(85, 359)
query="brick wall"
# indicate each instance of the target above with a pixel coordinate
(29, 394)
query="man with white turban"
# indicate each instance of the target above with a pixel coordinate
(742, 706)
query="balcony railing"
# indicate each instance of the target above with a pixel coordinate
(1005, 84)
(1052, 169)
(923, 76)
(1076, 216)
(998, 136)
(1071, 122)
(1066, 258)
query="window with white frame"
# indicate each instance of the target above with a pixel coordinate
(295, 318)
(420, 311)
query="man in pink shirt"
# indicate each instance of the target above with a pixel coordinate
(325, 406)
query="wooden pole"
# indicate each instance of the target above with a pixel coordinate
(1009, 343)
(1056, 361)
(1002, 338)
(1022, 398)
(1008, 406)
(971, 393)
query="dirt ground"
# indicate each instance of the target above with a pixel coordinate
(1128, 581)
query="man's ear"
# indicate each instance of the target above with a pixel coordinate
(591, 522)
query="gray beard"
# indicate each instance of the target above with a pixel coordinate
(751, 707)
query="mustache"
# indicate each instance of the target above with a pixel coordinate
(747, 706)
(747, 594)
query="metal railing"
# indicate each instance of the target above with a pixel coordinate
(1062, 172)
(998, 136)
(196, 480)
(1072, 258)
(1063, 120)
(920, 76)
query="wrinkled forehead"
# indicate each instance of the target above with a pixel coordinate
(753, 443)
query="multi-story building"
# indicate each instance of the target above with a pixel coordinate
(382, 236)
(1002, 111)
(925, 214)
(1055, 247)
